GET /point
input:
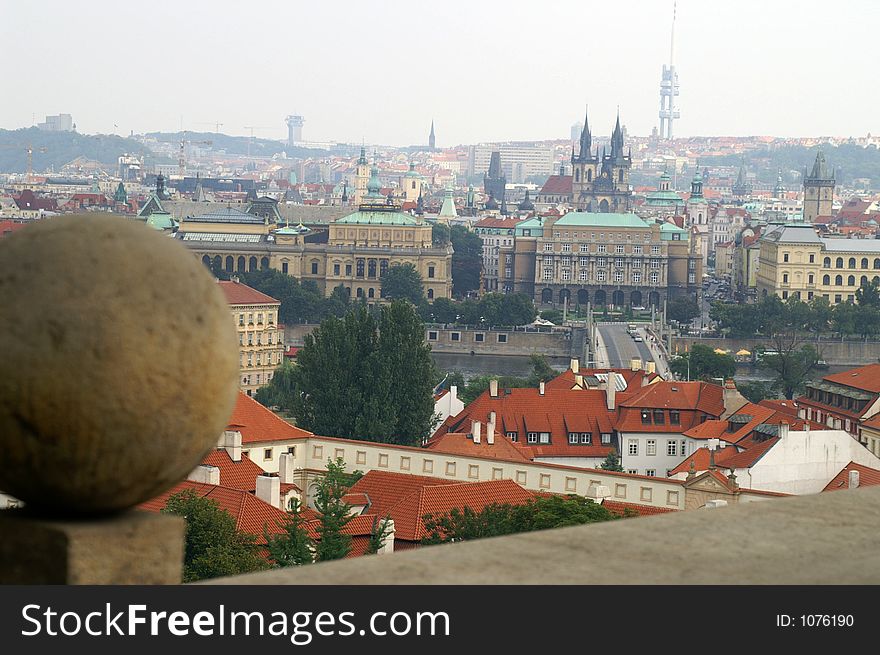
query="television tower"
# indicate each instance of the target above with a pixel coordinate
(669, 89)
(294, 130)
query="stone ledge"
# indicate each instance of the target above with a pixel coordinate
(130, 548)
(828, 538)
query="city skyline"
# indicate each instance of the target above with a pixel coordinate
(482, 74)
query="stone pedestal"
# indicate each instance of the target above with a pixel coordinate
(129, 548)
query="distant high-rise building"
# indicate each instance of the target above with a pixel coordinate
(59, 123)
(294, 130)
(432, 141)
(576, 130)
(669, 90)
(818, 189)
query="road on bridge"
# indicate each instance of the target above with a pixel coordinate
(620, 346)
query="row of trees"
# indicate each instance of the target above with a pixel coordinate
(489, 309)
(771, 315)
(467, 258)
(469, 389)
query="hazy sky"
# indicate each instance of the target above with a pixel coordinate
(380, 70)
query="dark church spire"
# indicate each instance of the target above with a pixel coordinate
(586, 143)
(431, 139)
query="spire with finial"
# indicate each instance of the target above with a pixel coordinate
(586, 143)
(420, 204)
(431, 139)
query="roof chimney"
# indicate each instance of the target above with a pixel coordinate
(232, 444)
(475, 431)
(541, 388)
(493, 388)
(579, 380)
(490, 429)
(206, 474)
(635, 364)
(651, 367)
(853, 479)
(783, 430)
(575, 365)
(269, 489)
(453, 394)
(611, 391)
(285, 468)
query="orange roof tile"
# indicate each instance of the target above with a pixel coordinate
(868, 477)
(251, 514)
(385, 489)
(620, 508)
(241, 294)
(865, 378)
(237, 475)
(440, 499)
(258, 424)
(459, 443)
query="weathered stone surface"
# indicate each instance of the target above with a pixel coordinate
(130, 548)
(827, 538)
(119, 366)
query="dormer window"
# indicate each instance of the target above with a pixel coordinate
(532, 437)
(513, 436)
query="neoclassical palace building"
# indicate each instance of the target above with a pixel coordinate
(353, 251)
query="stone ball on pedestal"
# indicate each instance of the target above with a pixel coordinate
(119, 365)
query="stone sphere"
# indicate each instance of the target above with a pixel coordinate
(119, 364)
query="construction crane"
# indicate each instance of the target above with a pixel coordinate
(217, 125)
(29, 149)
(252, 128)
(181, 157)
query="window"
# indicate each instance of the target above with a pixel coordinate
(455, 336)
(785, 278)
(683, 447)
(651, 473)
(404, 463)
(267, 454)
(502, 338)
(586, 438)
(532, 437)
(655, 278)
(601, 262)
(785, 257)
(674, 417)
(637, 250)
(474, 471)
(479, 337)
(658, 417)
(632, 471)
(548, 274)
(637, 262)
(428, 466)
(512, 435)
(671, 448)
(583, 275)
(335, 269)
(618, 261)
(544, 482)
(651, 447)
(566, 247)
(566, 275)
(600, 276)
(655, 250)
(241, 319)
(618, 249)
(544, 437)
(361, 457)
(646, 417)
(571, 484)
(348, 269)
(645, 494)
(548, 247)
(606, 437)
(601, 248)
(620, 491)
(450, 468)
(497, 474)
(813, 259)
(284, 267)
(633, 447)
(655, 263)
(838, 263)
(585, 247)
(618, 276)
(573, 438)
(637, 277)
(314, 268)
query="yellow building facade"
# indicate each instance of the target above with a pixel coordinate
(793, 261)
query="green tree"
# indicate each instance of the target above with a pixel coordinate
(544, 513)
(793, 365)
(541, 370)
(552, 315)
(868, 294)
(703, 363)
(335, 513)
(381, 531)
(213, 547)
(280, 390)
(445, 310)
(439, 235)
(367, 376)
(683, 309)
(611, 463)
(402, 282)
(467, 260)
(293, 547)
(755, 392)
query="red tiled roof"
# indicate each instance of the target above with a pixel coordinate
(499, 221)
(241, 294)
(634, 379)
(251, 514)
(557, 185)
(458, 443)
(385, 489)
(783, 406)
(868, 477)
(718, 429)
(864, 378)
(356, 499)
(440, 499)
(873, 422)
(237, 475)
(621, 508)
(525, 410)
(8, 227)
(691, 399)
(258, 424)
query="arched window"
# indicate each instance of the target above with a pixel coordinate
(360, 269)
(876, 263)
(218, 262)
(252, 264)
(383, 266)
(864, 280)
(547, 296)
(838, 262)
(851, 281)
(371, 293)
(240, 267)
(589, 175)
(826, 262)
(206, 260)
(838, 280)
(864, 262)
(826, 279)
(577, 175)
(852, 262)
(264, 263)
(371, 268)
(360, 293)
(230, 264)
(430, 294)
